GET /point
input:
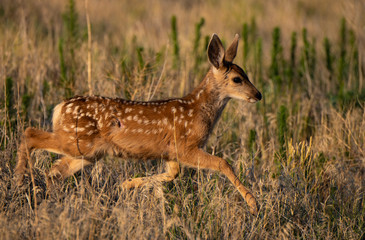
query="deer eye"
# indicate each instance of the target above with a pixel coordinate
(237, 80)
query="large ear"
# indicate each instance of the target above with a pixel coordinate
(215, 51)
(232, 50)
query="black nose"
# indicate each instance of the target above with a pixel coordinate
(258, 96)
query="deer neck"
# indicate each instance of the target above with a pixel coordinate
(208, 100)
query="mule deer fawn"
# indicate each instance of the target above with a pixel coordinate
(176, 130)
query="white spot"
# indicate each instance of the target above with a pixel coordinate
(165, 121)
(140, 112)
(180, 101)
(139, 121)
(186, 124)
(129, 118)
(159, 122)
(70, 105)
(75, 110)
(173, 109)
(119, 114)
(190, 113)
(160, 129)
(135, 118)
(154, 109)
(66, 129)
(154, 121)
(127, 110)
(181, 109)
(80, 129)
(68, 110)
(71, 137)
(140, 130)
(133, 130)
(188, 132)
(154, 131)
(146, 122)
(89, 133)
(90, 124)
(182, 116)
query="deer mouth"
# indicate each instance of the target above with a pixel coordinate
(252, 100)
(256, 98)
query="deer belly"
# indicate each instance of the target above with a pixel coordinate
(141, 146)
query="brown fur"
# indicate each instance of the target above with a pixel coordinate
(86, 128)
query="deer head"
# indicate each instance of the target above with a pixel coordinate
(231, 80)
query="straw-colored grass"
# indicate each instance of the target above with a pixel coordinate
(311, 187)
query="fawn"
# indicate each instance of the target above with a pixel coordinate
(176, 130)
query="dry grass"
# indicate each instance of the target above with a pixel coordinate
(314, 188)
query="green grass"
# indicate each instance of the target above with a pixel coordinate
(300, 150)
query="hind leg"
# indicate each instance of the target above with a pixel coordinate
(31, 140)
(65, 167)
(172, 171)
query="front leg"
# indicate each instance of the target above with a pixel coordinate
(200, 159)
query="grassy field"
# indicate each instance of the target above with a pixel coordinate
(301, 149)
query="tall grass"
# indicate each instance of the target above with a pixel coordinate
(300, 150)
(67, 46)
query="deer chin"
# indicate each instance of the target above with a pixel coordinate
(251, 100)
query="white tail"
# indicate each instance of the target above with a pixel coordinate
(86, 128)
